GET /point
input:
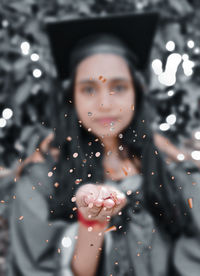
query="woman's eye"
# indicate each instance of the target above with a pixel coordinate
(89, 90)
(119, 88)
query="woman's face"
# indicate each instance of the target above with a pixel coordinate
(104, 94)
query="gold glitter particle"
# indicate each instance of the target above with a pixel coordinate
(56, 184)
(50, 174)
(21, 218)
(69, 138)
(77, 181)
(73, 199)
(75, 154)
(190, 202)
(129, 192)
(97, 154)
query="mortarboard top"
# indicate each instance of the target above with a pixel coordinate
(136, 30)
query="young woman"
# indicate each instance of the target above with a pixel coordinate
(108, 172)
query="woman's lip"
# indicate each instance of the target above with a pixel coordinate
(106, 120)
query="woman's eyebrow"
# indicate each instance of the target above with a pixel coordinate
(109, 80)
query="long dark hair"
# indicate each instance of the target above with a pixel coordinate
(170, 208)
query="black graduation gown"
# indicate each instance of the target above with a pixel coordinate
(37, 247)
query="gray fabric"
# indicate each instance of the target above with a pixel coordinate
(30, 254)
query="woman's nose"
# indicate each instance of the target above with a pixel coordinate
(105, 100)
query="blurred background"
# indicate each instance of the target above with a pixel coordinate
(28, 78)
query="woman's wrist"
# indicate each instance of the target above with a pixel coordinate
(95, 224)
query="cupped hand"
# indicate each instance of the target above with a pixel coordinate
(99, 202)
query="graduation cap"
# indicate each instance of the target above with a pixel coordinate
(135, 30)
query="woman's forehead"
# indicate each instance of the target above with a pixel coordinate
(107, 65)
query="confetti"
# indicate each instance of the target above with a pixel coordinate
(190, 202)
(58, 250)
(112, 228)
(73, 199)
(97, 154)
(77, 181)
(75, 154)
(89, 129)
(56, 184)
(156, 152)
(120, 135)
(89, 175)
(21, 218)
(69, 138)
(100, 77)
(71, 170)
(129, 192)
(104, 80)
(112, 93)
(50, 174)
(144, 136)
(121, 147)
(125, 171)
(90, 229)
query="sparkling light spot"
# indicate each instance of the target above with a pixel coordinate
(190, 44)
(66, 242)
(35, 57)
(37, 73)
(197, 135)
(195, 154)
(7, 113)
(2, 122)
(164, 126)
(170, 46)
(157, 66)
(171, 119)
(180, 156)
(25, 47)
(170, 93)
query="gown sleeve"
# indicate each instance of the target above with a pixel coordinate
(33, 238)
(186, 255)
